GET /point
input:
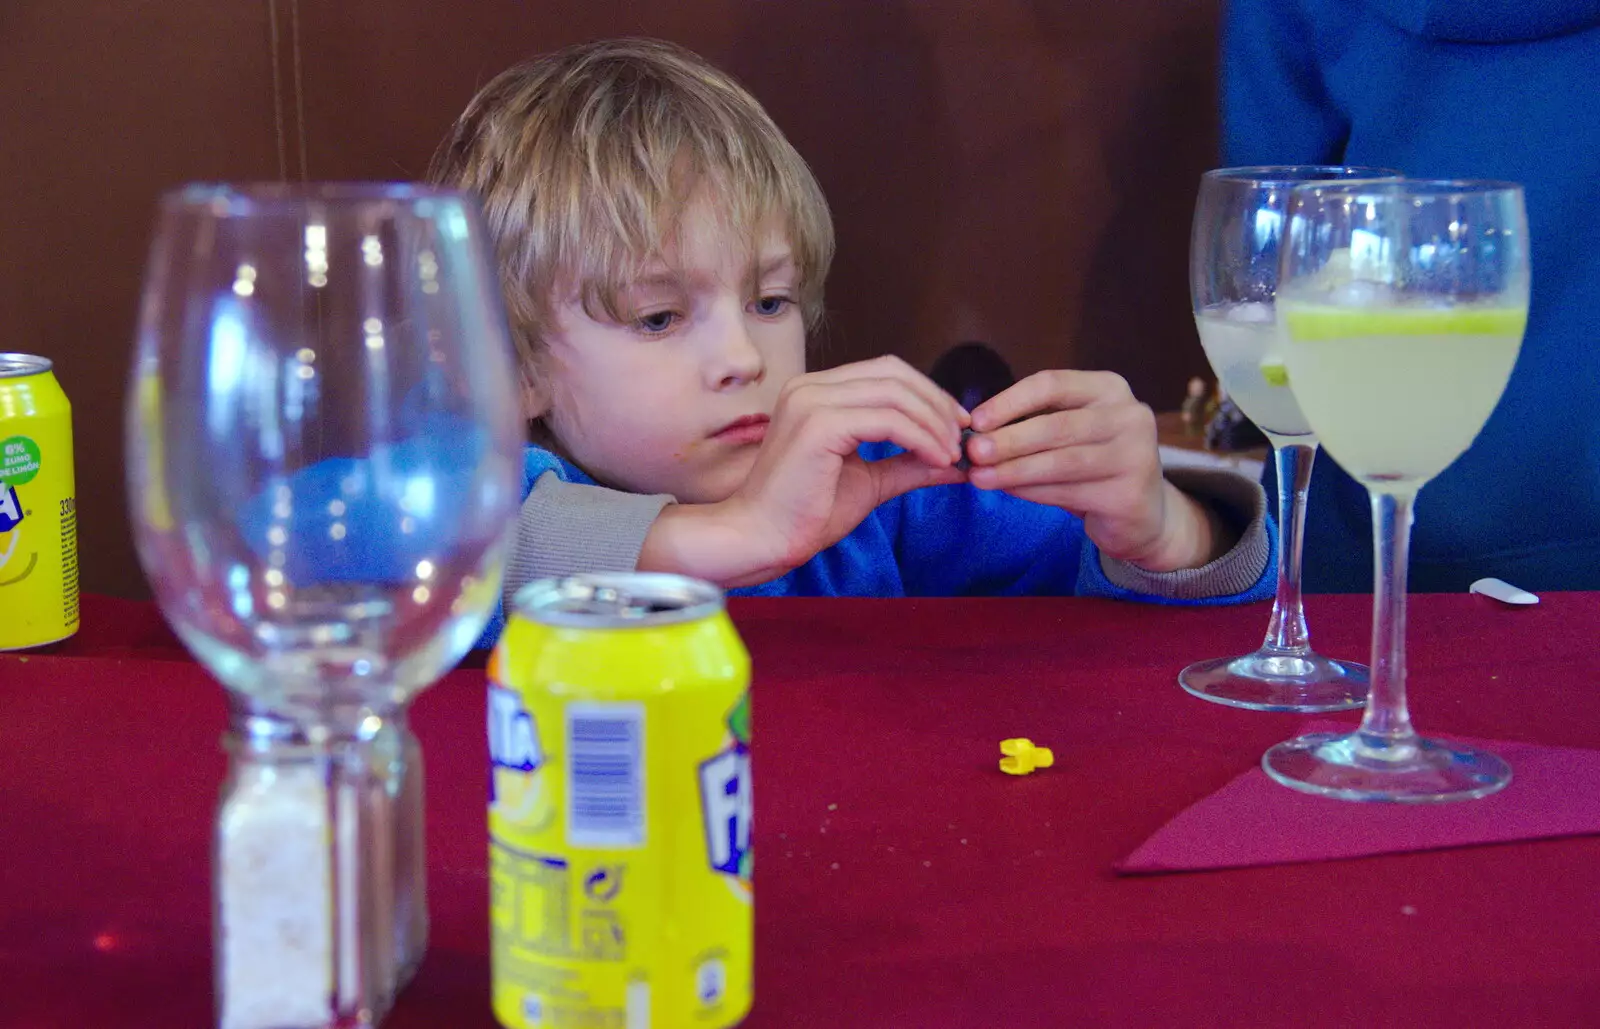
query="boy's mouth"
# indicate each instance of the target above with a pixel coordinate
(752, 428)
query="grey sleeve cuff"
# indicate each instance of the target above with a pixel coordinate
(568, 527)
(1241, 502)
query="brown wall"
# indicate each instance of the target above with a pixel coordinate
(1020, 170)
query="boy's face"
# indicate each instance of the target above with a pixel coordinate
(675, 399)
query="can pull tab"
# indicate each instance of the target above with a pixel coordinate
(625, 605)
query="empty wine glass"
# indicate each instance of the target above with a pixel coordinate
(1403, 304)
(323, 461)
(1233, 280)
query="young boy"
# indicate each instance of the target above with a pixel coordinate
(662, 251)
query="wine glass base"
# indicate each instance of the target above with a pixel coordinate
(1265, 681)
(1353, 766)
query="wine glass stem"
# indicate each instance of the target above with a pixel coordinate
(1286, 632)
(360, 946)
(1386, 724)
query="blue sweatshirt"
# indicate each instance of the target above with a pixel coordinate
(349, 524)
(950, 541)
(1485, 89)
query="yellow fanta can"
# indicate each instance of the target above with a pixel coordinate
(38, 509)
(620, 808)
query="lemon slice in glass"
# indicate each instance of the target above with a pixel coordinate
(1274, 371)
(1308, 322)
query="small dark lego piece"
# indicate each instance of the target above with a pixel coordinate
(965, 462)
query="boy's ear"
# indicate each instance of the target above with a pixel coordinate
(535, 397)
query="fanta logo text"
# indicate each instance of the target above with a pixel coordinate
(513, 736)
(726, 801)
(10, 508)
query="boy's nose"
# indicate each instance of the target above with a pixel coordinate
(738, 361)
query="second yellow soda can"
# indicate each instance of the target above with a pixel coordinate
(38, 506)
(620, 808)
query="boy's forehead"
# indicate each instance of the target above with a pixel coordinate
(705, 253)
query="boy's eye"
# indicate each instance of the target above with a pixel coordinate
(771, 307)
(655, 322)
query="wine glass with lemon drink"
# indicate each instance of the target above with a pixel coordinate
(1403, 305)
(1233, 279)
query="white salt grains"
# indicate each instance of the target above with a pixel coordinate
(274, 889)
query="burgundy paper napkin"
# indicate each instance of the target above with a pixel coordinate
(1554, 791)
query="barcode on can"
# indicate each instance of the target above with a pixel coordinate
(605, 775)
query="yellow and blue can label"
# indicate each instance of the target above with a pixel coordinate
(620, 807)
(38, 508)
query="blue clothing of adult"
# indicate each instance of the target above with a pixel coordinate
(1486, 89)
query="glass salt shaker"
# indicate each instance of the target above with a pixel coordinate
(274, 878)
(402, 760)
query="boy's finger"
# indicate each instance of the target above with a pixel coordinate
(1043, 432)
(892, 394)
(903, 473)
(1056, 390)
(844, 427)
(915, 404)
(924, 387)
(894, 368)
(1090, 463)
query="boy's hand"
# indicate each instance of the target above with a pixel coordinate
(809, 488)
(1080, 441)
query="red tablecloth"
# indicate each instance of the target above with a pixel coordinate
(903, 880)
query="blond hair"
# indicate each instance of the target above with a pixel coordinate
(584, 160)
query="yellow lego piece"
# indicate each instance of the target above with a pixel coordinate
(1022, 757)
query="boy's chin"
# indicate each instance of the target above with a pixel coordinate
(718, 484)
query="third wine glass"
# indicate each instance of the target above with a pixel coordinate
(1233, 279)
